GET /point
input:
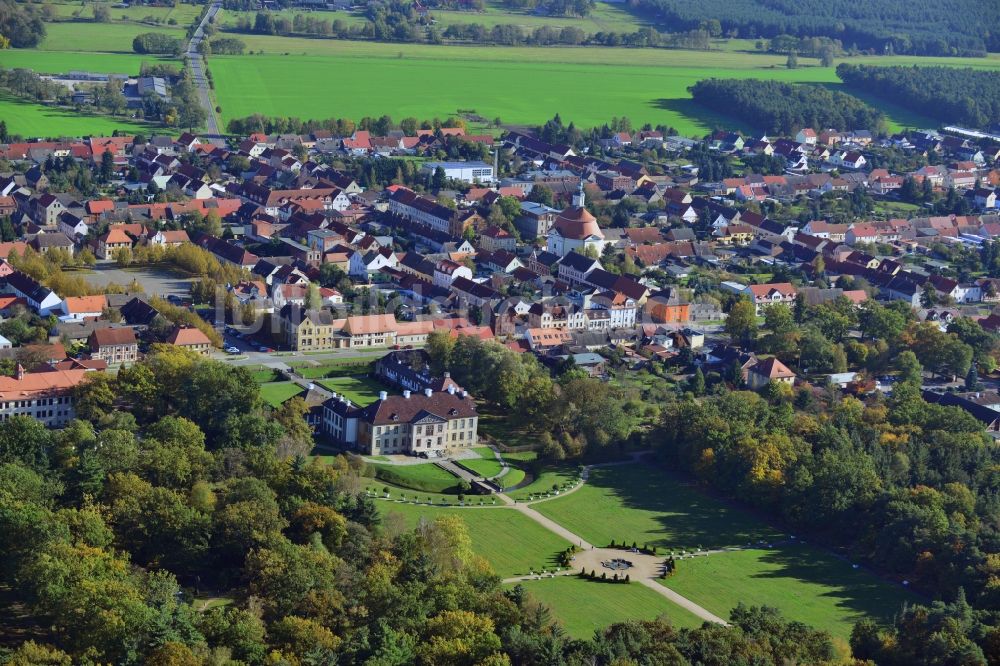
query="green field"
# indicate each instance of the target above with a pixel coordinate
(550, 475)
(647, 85)
(99, 37)
(423, 477)
(512, 543)
(648, 505)
(30, 119)
(276, 393)
(60, 62)
(360, 390)
(584, 606)
(805, 583)
(184, 14)
(486, 467)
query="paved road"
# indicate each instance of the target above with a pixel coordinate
(196, 64)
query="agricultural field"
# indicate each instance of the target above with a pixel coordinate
(804, 583)
(57, 62)
(647, 505)
(359, 389)
(584, 606)
(647, 85)
(99, 37)
(512, 543)
(276, 393)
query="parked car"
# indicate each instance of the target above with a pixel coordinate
(232, 350)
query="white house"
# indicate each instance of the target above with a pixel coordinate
(447, 271)
(363, 263)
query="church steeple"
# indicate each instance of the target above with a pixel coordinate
(578, 198)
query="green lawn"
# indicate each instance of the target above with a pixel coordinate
(29, 119)
(326, 368)
(805, 583)
(276, 393)
(423, 477)
(514, 476)
(584, 606)
(550, 475)
(265, 375)
(513, 543)
(647, 85)
(487, 467)
(360, 390)
(648, 505)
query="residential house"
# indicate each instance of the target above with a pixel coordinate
(765, 295)
(111, 242)
(762, 373)
(190, 338)
(79, 308)
(114, 345)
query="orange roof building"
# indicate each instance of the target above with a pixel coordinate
(44, 396)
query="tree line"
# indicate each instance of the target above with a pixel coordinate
(924, 27)
(953, 95)
(785, 108)
(401, 22)
(381, 126)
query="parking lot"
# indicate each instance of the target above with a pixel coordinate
(155, 280)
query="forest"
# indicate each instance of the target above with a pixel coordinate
(964, 96)
(785, 108)
(945, 28)
(176, 486)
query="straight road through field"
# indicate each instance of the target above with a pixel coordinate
(196, 65)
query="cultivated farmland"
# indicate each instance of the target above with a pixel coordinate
(320, 78)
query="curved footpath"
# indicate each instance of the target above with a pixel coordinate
(645, 570)
(645, 567)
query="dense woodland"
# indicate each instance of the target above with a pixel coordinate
(785, 108)
(925, 27)
(965, 96)
(112, 524)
